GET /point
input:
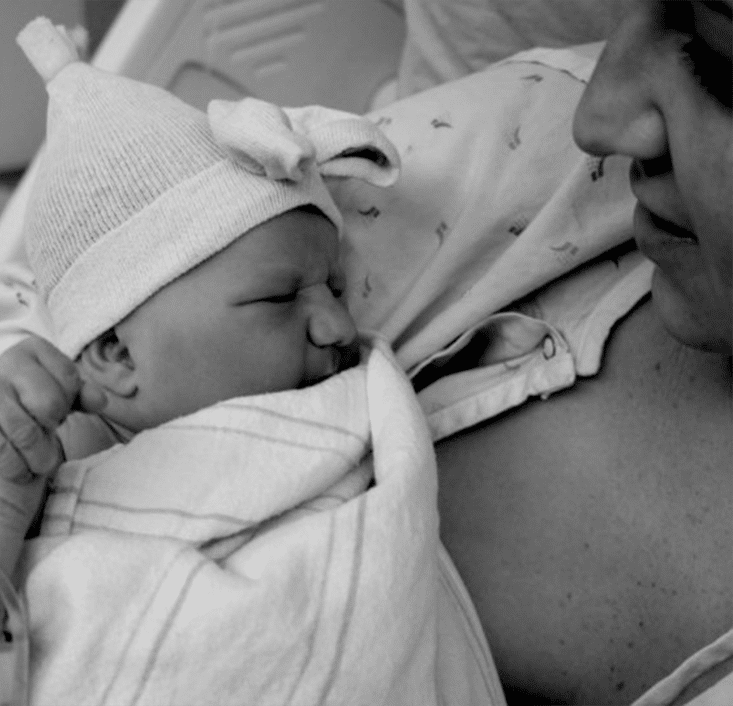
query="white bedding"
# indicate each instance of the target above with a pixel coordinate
(447, 39)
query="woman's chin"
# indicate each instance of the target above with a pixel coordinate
(689, 321)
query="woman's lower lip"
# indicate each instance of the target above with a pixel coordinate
(653, 239)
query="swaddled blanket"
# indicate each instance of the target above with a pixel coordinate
(257, 552)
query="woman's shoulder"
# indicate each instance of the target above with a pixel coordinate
(593, 527)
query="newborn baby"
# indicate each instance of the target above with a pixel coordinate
(264, 523)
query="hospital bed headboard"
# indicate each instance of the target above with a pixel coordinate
(292, 52)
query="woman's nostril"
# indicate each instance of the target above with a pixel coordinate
(649, 168)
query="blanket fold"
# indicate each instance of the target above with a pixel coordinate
(254, 553)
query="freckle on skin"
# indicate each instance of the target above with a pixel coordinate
(620, 686)
(441, 231)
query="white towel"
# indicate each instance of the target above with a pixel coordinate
(240, 555)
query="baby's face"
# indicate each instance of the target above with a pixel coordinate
(263, 315)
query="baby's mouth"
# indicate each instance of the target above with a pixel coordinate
(340, 358)
(346, 357)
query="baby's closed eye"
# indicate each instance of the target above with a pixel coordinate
(281, 298)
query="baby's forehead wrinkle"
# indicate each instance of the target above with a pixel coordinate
(298, 272)
(296, 254)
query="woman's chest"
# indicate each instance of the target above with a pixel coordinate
(593, 530)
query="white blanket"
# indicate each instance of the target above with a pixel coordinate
(241, 555)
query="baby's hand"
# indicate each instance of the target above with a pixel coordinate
(39, 386)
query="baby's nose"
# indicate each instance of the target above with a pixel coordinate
(330, 322)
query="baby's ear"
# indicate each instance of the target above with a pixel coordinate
(107, 361)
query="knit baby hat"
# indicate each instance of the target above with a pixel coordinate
(136, 187)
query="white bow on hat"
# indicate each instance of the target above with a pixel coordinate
(284, 143)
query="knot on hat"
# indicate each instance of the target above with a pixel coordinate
(285, 143)
(260, 136)
(51, 47)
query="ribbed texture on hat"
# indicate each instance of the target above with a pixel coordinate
(115, 147)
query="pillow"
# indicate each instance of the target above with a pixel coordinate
(447, 39)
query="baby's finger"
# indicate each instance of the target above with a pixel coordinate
(91, 398)
(27, 449)
(58, 366)
(13, 466)
(41, 378)
(42, 399)
(79, 394)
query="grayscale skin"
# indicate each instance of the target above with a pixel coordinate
(592, 529)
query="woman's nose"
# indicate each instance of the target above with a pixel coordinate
(617, 113)
(330, 323)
